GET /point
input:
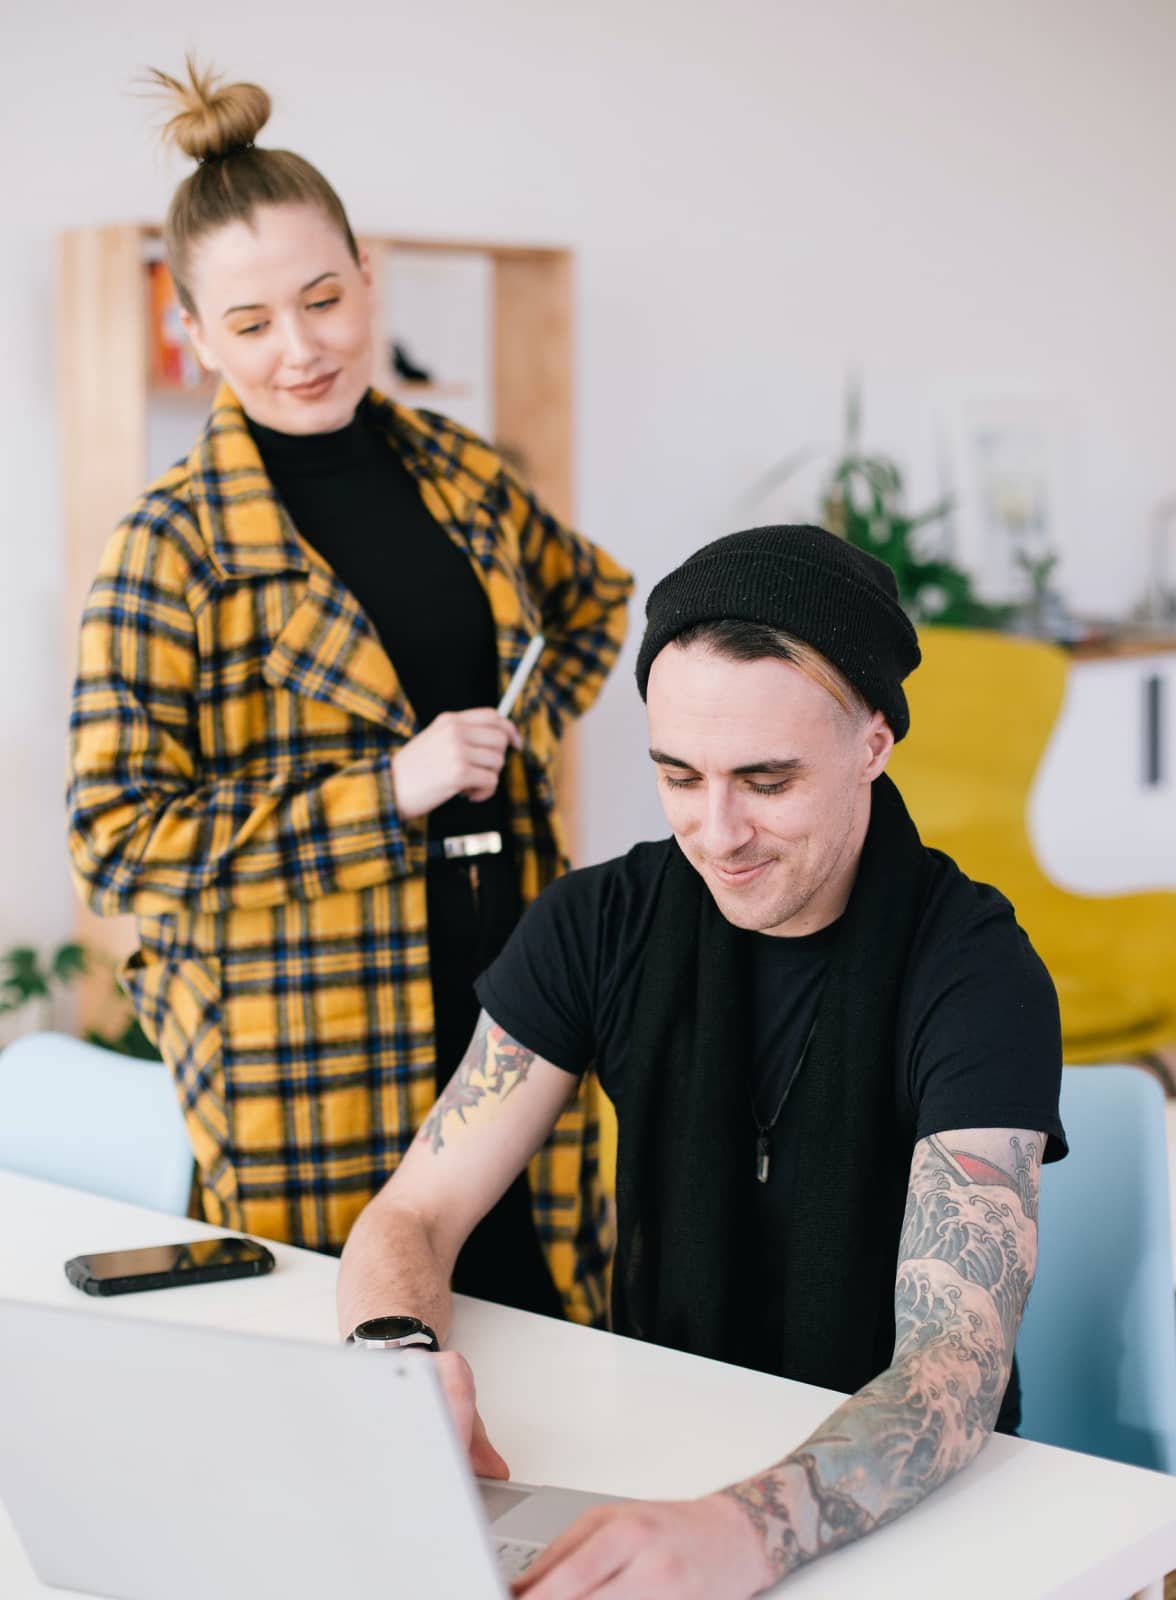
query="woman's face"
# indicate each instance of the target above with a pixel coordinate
(284, 314)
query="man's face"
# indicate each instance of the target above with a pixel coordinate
(765, 782)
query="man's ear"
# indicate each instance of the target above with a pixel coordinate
(878, 742)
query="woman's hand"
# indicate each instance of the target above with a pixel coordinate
(460, 752)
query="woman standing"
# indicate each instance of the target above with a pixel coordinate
(285, 757)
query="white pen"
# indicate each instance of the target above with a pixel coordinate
(521, 673)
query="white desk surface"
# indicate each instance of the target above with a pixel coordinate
(569, 1405)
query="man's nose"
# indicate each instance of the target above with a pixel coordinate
(725, 828)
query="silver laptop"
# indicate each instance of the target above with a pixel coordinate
(153, 1461)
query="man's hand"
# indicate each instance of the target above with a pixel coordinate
(704, 1549)
(457, 1380)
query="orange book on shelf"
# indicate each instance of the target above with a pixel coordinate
(173, 361)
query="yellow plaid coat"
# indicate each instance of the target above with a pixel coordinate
(233, 724)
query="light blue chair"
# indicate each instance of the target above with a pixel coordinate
(1097, 1348)
(79, 1115)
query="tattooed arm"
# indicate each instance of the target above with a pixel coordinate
(967, 1255)
(495, 1112)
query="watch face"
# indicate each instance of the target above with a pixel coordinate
(389, 1328)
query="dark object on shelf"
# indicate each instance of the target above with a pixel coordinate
(405, 367)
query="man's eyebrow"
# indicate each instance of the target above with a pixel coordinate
(260, 305)
(778, 764)
(788, 764)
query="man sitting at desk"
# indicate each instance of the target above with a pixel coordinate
(835, 1061)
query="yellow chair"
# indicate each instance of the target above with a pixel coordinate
(983, 706)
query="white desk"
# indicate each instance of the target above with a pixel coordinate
(571, 1406)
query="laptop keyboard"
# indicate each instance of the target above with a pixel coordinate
(515, 1556)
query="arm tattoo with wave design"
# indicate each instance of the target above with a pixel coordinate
(966, 1259)
(494, 1065)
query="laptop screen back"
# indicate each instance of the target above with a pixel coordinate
(140, 1459)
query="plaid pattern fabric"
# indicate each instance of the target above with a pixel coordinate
(233, 725)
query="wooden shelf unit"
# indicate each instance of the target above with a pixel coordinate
(107, 392)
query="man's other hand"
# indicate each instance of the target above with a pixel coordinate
(687, 1549)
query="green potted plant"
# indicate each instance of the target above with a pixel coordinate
(30, 984)
(863, 501)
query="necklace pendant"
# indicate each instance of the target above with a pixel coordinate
(763, 1159)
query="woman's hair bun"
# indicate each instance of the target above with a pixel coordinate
(210, 122)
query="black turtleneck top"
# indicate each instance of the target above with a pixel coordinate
(352, 498)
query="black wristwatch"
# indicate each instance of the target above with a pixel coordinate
(394, 1333)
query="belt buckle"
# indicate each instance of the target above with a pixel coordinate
(462, 845)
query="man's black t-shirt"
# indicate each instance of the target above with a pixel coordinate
(977, 1035)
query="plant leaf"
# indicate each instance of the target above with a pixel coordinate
(941, 508)
(25, 980)
(69, 961)
(781, 472)
(853, 412)
(132, 1041)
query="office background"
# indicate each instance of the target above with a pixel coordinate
(969, 204)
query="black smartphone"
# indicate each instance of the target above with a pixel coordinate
(167, 1266)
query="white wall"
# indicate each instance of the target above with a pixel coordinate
(953, 196)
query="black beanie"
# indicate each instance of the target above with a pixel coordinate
(806, 582)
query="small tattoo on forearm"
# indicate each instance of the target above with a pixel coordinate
(494, 1065)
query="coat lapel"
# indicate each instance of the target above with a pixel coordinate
(325, 647)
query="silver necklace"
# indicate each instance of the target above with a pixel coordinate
(763, 1132)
